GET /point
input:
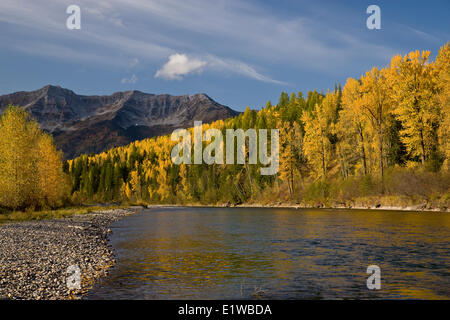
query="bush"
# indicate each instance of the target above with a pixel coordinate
(402, 181)
(317, 192)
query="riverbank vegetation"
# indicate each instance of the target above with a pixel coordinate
(33, 185)
(381, 138)
(59, 213)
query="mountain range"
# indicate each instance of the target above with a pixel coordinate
(91, 124)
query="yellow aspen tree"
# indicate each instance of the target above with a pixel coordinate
(290, 152)
(150, 177)
(135, 184)
(183, 187)
(162, 179)
(316, 145)
(376, 107)
(53, 185)
(351, 127)
(413, 90)
(18, 161)
(442, 66)
(128, 191)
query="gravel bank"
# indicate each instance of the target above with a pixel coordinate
(35, 255)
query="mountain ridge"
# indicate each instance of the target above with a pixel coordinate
(94, 123)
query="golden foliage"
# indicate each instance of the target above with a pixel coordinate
(30, 167)
(397, 116)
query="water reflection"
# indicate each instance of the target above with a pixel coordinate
(205, 253)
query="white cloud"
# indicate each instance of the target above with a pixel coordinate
(252, 30)
(133, 79)
(180, 65)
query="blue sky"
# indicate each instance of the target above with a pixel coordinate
(238, 52)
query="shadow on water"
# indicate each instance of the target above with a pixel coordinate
(242, 253)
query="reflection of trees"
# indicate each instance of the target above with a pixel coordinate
(302, 253)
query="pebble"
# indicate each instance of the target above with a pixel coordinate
(35, 255)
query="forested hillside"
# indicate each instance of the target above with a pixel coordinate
(382, 137)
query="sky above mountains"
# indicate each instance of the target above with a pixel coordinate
(238, 52)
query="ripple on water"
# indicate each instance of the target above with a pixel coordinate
(234, 253)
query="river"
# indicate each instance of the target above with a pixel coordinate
(274, 253)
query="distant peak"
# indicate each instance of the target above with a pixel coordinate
(134, 91)
(201, 96)
(52, 89)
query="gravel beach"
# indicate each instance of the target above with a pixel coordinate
(35, 255)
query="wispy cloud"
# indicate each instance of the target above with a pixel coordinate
(104, 11)
(422, 34)
(238, 67)
(231, 21)
(215, 36)
(252, 30)
(132, 80)
(181, 65)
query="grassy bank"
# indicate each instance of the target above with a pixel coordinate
(11, 216)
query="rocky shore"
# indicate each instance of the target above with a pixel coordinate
(415, 208)
(35, 255)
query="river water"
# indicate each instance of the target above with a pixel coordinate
(262, 253)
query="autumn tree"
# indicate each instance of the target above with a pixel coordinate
(389, 117)
(318, 131)
(52, 183)
(183, 186)
(443, 99)
(376, 108)
(30, 167)
(291, 141)
(413, 89)
(351, 127)
(164, 187)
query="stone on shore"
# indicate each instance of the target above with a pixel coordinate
(35, 255)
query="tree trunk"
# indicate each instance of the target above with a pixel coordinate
(422, 146)
(381, 161)
(323, 157)
(363, 151)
